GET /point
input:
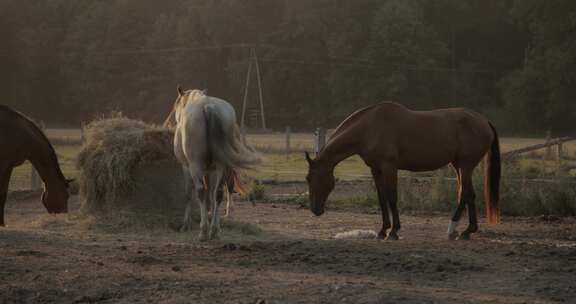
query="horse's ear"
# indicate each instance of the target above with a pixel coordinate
(308, 158)
(180, 90)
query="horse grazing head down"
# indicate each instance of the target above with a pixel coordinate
(56, 199)
(320, 183)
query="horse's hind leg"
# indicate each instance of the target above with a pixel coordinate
(4, 182)
(196, 193)
(452, 233)
(469, 196)
(188, 188)
(214, 177)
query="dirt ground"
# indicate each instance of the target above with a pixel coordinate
(47, 259)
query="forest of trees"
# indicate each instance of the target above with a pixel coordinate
(65, 61)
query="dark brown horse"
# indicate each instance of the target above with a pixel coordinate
(20, 140)
(390, 137)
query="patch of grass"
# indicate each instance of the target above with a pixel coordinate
(528, 199)
(296, 199)
(364, 201)
(256, 192)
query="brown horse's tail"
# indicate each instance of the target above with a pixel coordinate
(233, 182)
(492, 180)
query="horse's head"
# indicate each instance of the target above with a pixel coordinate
(55, 199)
(184, 96)
(320, 184)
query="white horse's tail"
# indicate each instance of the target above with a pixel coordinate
(225, 142)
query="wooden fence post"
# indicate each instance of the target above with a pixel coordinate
(35, 181)
(559, 155)
(82, 126)
(549, 148)
(288, 148)
(320, 140)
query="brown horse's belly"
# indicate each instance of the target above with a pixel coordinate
(425, 161)
(423, 167)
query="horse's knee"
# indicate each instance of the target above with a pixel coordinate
(219, 195)
(469, 195)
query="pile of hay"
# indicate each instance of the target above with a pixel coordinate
(128, 166)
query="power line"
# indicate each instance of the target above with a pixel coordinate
(338, 61)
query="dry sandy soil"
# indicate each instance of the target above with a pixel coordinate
(64, 259)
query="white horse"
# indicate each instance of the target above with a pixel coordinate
(230, 182)
(208, 143)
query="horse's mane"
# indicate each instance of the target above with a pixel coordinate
(170, 121)
(350, 118)
(51, 152)
(357, 113)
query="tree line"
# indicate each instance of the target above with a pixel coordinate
(65, 61)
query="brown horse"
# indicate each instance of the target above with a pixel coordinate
(20, 140)
(390, 137)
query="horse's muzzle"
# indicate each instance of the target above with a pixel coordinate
(317, 211)
(58, 210)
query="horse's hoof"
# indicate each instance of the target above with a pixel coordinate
(382, 235)
(214, 235)
(392, 236)
(464, 237)
(203, 237)
(185, 228)
(453, 236)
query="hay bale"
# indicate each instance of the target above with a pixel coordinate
(128, 166)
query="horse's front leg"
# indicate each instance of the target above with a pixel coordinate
(4, 182)
(390, 178)
(380, 187)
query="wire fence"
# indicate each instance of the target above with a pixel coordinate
(284, 158)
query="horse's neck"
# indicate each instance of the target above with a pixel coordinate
(170, 121)
(43, 159)
(339, 148)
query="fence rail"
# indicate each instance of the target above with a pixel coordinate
(558, 142)
(289, 144)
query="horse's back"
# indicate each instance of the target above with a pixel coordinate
(425, 140)
(195, 130)
(15, 133)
